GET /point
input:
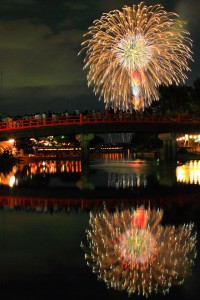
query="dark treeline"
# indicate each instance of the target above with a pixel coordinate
(177, 100)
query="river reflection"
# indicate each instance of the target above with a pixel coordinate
(131, 251)
(46, 171)
(44, 216)
(40, 254)
(189, 172)
(117, 174)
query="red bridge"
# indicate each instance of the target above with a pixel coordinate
(97, 123)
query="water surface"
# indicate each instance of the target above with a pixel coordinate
(45, 214)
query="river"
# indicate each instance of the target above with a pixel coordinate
(45, 211)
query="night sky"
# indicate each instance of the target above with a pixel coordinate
(39, 43)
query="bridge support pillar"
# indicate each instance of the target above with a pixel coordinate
(170, 146)
(84, 140)
(85, 147)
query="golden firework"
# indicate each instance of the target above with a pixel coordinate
(132, 251)
(129, 53)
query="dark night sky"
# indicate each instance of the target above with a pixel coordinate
(39, 43)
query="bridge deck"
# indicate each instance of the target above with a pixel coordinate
(94, 119)
(101, 123)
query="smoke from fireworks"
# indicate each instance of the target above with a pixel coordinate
(132, 251)
(129, 53)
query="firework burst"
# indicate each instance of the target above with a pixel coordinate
(132, 251)
(129, 53)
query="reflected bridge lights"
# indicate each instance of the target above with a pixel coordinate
(131, 251)
(41, 167)
(126, 180)
(189, 172)
(8, 179)
(12, 181)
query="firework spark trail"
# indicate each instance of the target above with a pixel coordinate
(132, 251)
(129, 53)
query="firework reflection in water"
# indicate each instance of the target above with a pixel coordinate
(130, 53)
(130, 250)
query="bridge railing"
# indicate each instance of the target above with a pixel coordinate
(96, 118)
